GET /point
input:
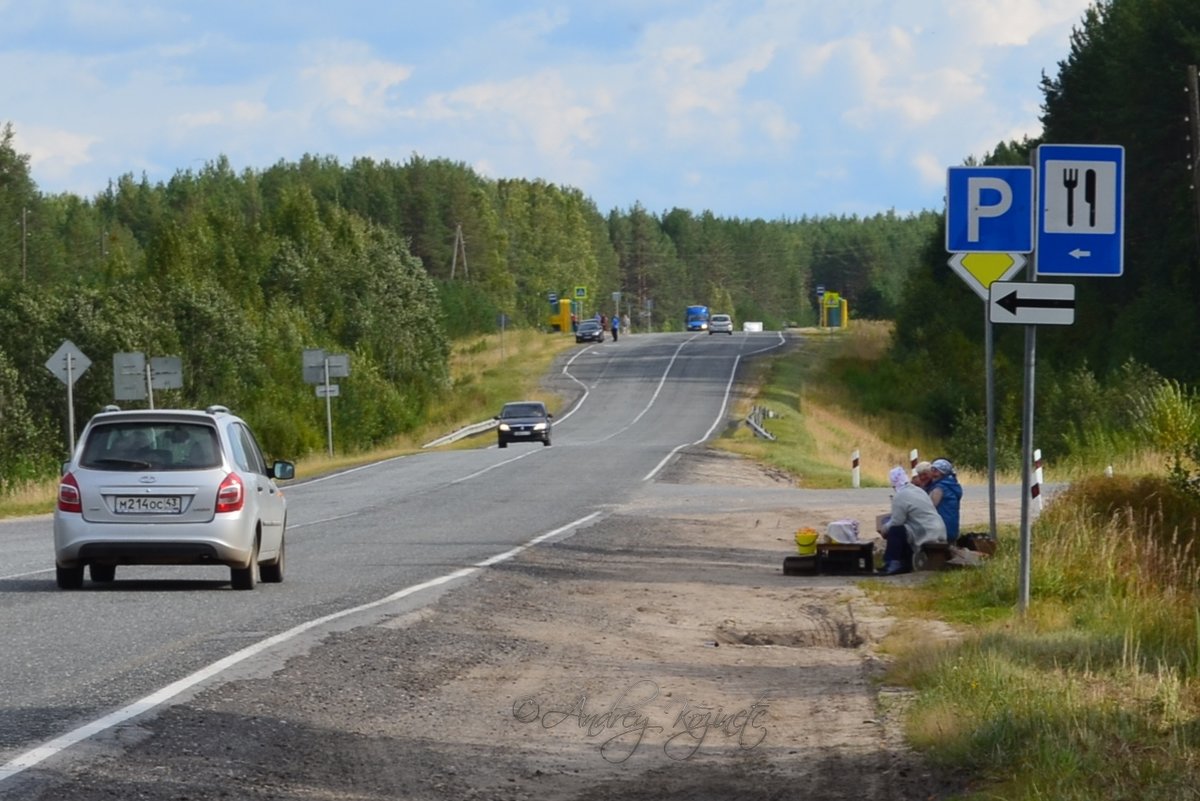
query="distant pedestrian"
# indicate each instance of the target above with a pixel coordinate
(603, 321)
(616, 327)
(625, 324)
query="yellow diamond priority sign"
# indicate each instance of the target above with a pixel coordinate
(981, 270)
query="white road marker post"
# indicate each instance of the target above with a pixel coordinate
(913, 458)
(1035, 492)
(855, 474)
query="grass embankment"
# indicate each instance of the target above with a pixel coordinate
(485, 370)
(1094, 693)
(817, 423)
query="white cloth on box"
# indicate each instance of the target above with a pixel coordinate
(845, 531)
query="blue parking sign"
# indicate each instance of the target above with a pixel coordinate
(989, 209)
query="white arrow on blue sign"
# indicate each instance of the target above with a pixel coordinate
(989, 209)
(1081, 228)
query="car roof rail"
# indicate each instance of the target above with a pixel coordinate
(112, 407)
(216, 408)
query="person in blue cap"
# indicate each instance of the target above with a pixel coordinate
(946, 494)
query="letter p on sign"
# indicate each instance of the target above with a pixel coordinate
(979, 190)
(989, 209)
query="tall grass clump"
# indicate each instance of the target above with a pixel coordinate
(1094, 693)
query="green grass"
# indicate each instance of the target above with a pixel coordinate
(819, 422)
(1093, 693)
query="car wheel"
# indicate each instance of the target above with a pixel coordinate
(69, 578)
(546, 442)
(501, 444)
(246, 578)
(102, 573)
(272, 572)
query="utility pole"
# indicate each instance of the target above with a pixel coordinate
(24, 245)
(460, 244)
(1193, 90)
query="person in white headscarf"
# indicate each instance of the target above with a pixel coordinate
(913, 522)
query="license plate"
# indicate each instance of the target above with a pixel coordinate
(149, 505)
(521, 433)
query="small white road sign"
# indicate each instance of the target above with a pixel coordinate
(68, 362)
(1031, 303)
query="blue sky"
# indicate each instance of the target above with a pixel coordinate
(746, 108)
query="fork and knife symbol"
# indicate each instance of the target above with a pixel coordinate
(1071, 182)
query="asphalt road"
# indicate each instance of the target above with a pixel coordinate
(72, 658)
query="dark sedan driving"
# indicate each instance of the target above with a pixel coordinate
(589, 331)
(523, 421)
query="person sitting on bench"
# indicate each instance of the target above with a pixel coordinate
(912, 523)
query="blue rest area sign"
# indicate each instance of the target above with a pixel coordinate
(1081, 214)
(989, 210)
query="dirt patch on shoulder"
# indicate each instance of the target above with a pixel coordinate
(711, 466)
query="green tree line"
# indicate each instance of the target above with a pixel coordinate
(237, 273)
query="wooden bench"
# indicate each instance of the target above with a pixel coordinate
(932, 556)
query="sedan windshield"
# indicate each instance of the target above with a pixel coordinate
(524, 410)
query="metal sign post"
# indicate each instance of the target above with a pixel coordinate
(319, 367)
(68, 363)
(328, 411)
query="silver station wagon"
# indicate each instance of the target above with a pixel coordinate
(170, 487)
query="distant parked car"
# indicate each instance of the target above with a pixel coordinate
(523, 421)
(720, 324)
(170, 487)
(589, 331)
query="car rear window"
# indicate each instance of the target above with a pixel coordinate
(135, 445)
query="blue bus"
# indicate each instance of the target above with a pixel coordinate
(696, 318)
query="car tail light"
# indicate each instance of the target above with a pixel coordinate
(69, 499)
(231, 495)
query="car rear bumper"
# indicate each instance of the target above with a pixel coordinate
(77, 541)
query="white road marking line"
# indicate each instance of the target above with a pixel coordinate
(30, 573)
(720, 412)
(59, 744)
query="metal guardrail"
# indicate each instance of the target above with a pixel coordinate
(755, 421)
(466, 431)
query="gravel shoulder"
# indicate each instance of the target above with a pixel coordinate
(648, 656)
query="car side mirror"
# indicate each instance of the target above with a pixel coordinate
(549, 416)
(284, 471)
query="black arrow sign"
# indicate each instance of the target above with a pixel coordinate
(1011, 303)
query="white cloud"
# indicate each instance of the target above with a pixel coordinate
(358, 94)
(1012, 23)
(54, 153)
(930, 168)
